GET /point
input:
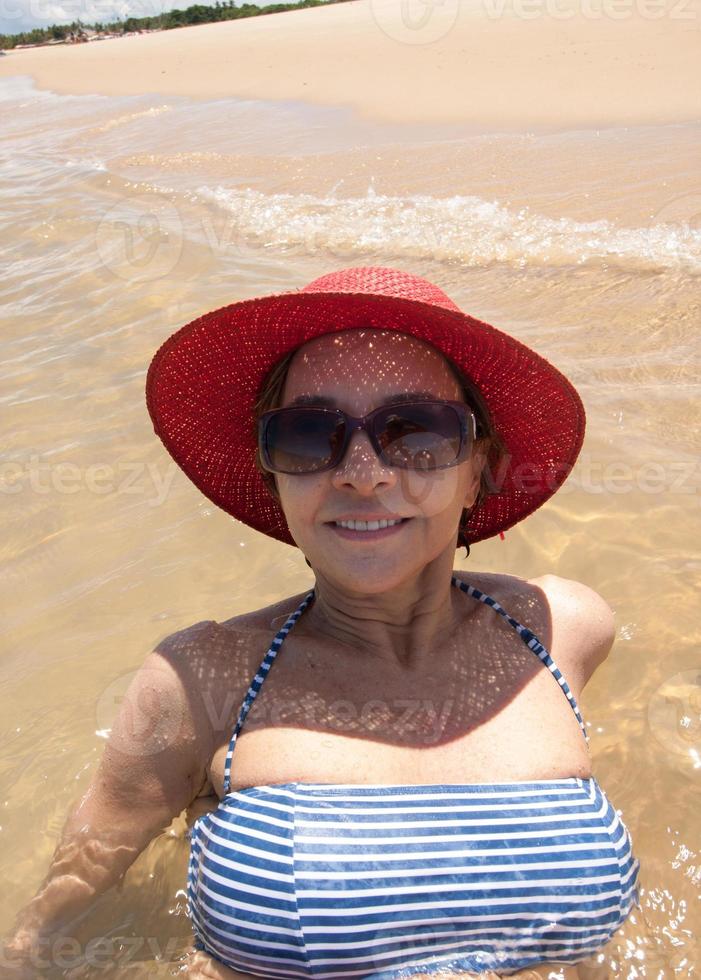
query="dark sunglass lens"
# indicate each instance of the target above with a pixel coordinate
(303, 440)
(420, 437)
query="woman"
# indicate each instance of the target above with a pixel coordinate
(411, 792)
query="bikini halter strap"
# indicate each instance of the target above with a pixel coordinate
(528, 637)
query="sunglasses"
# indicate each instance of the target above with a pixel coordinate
(421, 435)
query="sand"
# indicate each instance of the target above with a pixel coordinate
(492, 64)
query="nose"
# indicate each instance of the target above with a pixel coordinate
(361, 467)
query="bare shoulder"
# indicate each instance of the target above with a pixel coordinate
(574, 622)
(187, 652)
(206, 648)
(266, 618)
(575, 594)
(160, 738)
(206, 669)
(186, 641)
(581, 607)
(582, 620)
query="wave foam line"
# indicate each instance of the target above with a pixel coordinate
(464, 228)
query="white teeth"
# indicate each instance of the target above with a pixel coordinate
(367, 525)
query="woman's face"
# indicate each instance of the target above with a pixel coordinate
(359, 370)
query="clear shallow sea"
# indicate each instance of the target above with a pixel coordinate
(123, 218)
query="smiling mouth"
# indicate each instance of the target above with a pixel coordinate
(369, 525)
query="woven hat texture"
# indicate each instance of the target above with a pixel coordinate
(203, 382)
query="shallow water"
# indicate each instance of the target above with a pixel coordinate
(126, 217)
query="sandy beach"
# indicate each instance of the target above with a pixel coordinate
(494, 64)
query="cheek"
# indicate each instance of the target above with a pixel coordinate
(299, 495)
(432, 493)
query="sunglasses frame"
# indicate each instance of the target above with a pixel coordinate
(367, 424)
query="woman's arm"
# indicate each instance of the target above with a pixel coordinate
(152, 768)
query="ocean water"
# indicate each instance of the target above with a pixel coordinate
(124, 218)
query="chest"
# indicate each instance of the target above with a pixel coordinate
(487, 709)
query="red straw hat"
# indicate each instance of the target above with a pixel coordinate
(204, 381)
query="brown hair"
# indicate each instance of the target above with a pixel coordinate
(488, 439)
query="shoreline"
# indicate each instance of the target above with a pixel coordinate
(464, 65)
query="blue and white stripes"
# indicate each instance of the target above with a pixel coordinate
(334, 880)
(316, 880)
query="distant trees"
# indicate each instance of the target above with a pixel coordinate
(196, 14)
(42, 35)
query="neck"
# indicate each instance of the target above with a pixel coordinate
(403, 627)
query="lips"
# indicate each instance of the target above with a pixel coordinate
(368, 517)
(357, 525)
(368, 535)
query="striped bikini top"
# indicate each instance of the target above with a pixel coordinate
(345, 880)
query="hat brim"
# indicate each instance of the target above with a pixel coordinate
(203, 382)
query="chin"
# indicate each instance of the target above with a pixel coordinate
(370, 577)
